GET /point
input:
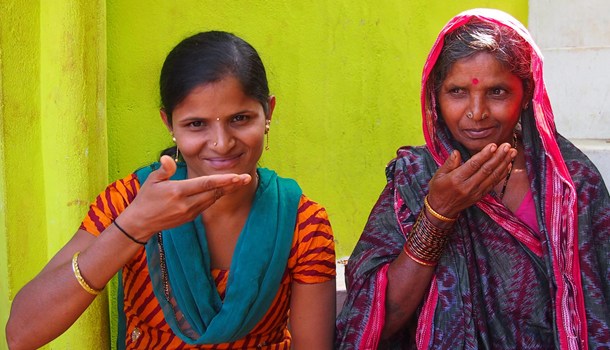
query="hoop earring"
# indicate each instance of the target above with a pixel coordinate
(177, 156)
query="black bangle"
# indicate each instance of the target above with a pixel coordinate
(127, 234)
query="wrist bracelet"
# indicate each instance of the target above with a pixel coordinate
(436, 214)
(416, 259)
(127, 234)
(80, 278)
(426, 242)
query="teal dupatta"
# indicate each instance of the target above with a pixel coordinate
(195, 311)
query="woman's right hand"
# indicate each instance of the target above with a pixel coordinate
(455, 186)
(162, 203)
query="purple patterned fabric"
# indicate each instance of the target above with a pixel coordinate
(496, 285)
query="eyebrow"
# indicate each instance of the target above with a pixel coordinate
(200, 118)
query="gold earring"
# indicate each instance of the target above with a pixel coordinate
(177, 156)
(267, 127)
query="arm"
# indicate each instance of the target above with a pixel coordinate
(312, 315)
(453, 188)
(54, 299)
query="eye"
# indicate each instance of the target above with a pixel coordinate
(196, 124)
(456, 92)
(240, 118)
(498, 92)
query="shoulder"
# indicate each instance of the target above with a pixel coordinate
(410, 172)
(312, 216)
(120, 191)
(312, 257)
(110, 203)
(411, 160)
(583, 171)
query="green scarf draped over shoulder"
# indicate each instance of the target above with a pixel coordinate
(195, 311)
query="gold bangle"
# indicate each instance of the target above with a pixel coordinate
(417, 260)
(80, 278)
(435, 214)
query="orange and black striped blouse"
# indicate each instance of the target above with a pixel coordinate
(311, 260)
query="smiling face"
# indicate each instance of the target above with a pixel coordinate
(480, 85)
(218, 129)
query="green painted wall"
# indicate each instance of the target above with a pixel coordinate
(53, 157)
(79, 107)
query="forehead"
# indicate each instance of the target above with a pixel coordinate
(216, 99)
(478, 69)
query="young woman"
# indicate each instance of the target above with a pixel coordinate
(495, 234)
(212, 251)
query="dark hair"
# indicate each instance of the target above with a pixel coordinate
(208, 57)
(476, 36)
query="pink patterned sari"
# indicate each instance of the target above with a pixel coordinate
(499, 284)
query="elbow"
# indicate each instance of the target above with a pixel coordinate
(13, 338)
(18, 336)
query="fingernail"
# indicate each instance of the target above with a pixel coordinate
(493, 148)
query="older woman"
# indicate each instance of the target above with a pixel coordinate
(496, 233)
(213, 252)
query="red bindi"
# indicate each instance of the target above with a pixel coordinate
(475, 81)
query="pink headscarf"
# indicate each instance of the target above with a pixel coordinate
(560, 206)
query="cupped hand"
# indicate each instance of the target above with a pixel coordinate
(455, 186)
(162, 203)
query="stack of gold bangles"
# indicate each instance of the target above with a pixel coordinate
(426, 242)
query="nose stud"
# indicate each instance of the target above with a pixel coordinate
(470, 115)
(215, 143)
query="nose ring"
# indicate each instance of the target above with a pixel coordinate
(469, 115)
(484, 116)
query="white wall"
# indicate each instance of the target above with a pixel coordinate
(574, 37)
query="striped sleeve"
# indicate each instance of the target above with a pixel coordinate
(109, 204)
(313, 253)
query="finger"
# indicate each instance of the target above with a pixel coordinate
(199, 202)
(202, 184)
(165, 171)
(494, 169)
(452, 163)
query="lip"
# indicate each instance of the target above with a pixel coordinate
(222, 163)
(478, 133)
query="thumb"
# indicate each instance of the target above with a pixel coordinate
(167, 169)
(453, 162)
